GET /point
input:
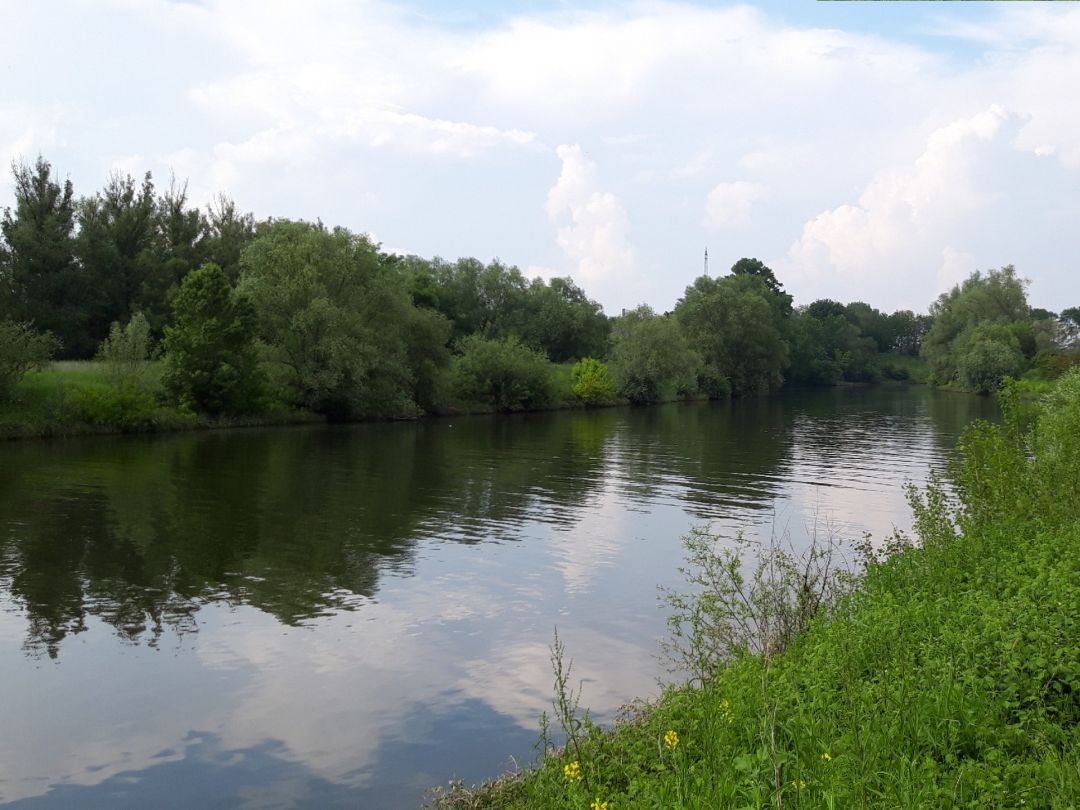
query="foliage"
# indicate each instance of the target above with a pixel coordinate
(736, 324)
(428, 358)
(986, 355)
(209, 354)
(126, 406)
(177, 246)
(650, 358)
(480, 300)
(227, 232)
(115, 247)
(728, 613)
(562, 321)
(757, 268)
(592, 383)
(996, 299)
(127, 351)
(501, 373)
(828, 346)
(335, 322)
(40, 280)
(22, 348)
(495, 300)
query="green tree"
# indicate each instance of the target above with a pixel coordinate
(591, 381)
(853, 353)
(334, 320)
(560, 319)
(126, 352)
(813, 359)
(737, 325)
(908, 330)
(481, 300)
(115, 247)
(22, 349)
(501, 373)
(996, 298)
(651, 359)
(426, 336)
(757, 268)
(227, 232)
(177, 247)
(985, 355)
(210, 359)
(872, 323)
(40, 280)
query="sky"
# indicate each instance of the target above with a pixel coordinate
(865, 151)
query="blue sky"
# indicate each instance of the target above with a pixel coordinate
(866, 151)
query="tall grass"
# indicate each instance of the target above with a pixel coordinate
(75, 397)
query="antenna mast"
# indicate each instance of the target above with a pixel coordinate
(706, 262)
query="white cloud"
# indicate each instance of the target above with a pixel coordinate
(956, 265)
(381, 117)
(593, 228)
(729, 204)
(903, 210)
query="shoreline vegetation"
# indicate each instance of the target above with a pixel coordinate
(131, 311)
(51, 404)
(943, 673)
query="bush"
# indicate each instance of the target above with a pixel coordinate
(126, 352)
(127, 406)
(592, 382)
(983, 366)
(22, 349)
(650, 358)
(501, 373)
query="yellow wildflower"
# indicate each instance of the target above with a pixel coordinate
(572, 772)
(597, 804)
(725, 713)
(826, 757)
(798, 784)
(671, 739)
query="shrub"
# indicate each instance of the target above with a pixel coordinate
(985, 364)
(22, 349)
(501, 373)
(127, 406)
(592, 382)
(126, 352)
(650, 358)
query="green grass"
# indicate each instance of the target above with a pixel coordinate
(70, 398)
(948, 678)
(914, 367)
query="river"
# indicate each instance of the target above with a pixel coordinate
(345, 616)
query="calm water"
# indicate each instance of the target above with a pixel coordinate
(346, 616)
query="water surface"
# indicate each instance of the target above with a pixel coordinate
(344, 616)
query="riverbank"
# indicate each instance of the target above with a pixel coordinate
(76, 398)
(948, 677)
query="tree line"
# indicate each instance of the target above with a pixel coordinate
(245, 316)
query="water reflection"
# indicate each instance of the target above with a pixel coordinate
(359, 612)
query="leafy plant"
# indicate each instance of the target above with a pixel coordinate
(501, 373)
(127, 352)
(22, 349)
(592, 383)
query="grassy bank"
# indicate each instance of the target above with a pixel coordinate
(76, 398)
(948, 676)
